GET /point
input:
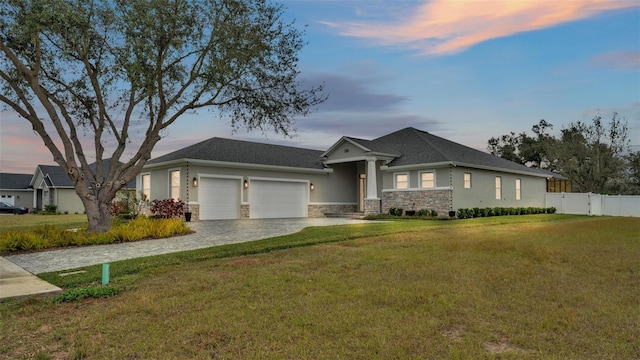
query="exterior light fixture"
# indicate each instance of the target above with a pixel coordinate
(312, 187)
(195, 182)
(246, 184)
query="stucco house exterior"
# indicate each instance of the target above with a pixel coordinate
(14, 189)
(410, 169)
(50, 185)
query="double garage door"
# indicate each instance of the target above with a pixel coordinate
(220, 198)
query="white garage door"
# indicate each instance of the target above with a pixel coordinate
(219, 198)
(278, 199)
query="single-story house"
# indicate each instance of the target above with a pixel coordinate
(14, 189)
(410, 169)
(50, 185)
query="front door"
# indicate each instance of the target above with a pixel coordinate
(362, 188)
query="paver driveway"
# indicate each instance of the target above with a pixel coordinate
(207, 234)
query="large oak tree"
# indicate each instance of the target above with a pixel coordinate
(119, 72)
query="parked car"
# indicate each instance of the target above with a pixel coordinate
(10, 209)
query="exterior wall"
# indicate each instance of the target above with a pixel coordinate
(317, 211)
(335, 190)
(67, 201)
(372, 206)
(483, 191)
(346, 150)
(245, 211)
(441, 176)
(22, 198)
(417, 199)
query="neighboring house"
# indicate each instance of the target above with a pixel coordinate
(51, 186)
(14, 189)
(410, 169)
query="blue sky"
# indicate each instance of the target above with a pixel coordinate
(462, 70)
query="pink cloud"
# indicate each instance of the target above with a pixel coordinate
(447, 27)
(619, 60)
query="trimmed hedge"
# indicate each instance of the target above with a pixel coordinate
(502, 211)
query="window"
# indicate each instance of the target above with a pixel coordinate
(467, 180)
(498, 187)
(174, 184)
(518, 190)
(402, 181)
(427, 180)
(146, 186)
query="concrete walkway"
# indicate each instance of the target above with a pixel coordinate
(207, 234)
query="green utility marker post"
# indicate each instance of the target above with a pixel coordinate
(105, 274)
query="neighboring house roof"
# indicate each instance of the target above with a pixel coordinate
(55, 177)
(15, 181)
(245, 152)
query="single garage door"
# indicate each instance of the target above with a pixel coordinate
(219, 198)
(278, 199)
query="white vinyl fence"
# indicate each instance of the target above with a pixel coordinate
(594, 204)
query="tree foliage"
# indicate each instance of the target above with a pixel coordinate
(105, 78)
(594, 156)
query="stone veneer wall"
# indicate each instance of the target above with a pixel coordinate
(195, 212)
(371, 207)
(316, 211)
(244, 211)
(438, 200)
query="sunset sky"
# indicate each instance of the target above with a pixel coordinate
(462, 70)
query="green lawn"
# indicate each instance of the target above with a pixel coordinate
(29, 221)
(528, 287)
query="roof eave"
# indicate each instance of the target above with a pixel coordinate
(456, 163)
(237, 166)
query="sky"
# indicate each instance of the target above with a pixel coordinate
(463, 70)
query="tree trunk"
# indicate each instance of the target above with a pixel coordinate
(98, 215)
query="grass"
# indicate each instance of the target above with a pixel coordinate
(533, 287)
(29, 221)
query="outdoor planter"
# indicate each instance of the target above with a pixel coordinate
(187, 216)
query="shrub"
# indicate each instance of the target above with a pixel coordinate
(422, 212)
(167, 208)
(396, 211)
(434, 213)
(499, 211)
(127, 206)
(51, 209)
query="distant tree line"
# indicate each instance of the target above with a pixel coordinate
(595, 156)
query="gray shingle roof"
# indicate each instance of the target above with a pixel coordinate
(14, 181)
(55, 176)
(420, 147)
(246, 152)
(410, 145)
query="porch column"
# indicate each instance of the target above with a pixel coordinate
(372, 186)
(371, 202)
